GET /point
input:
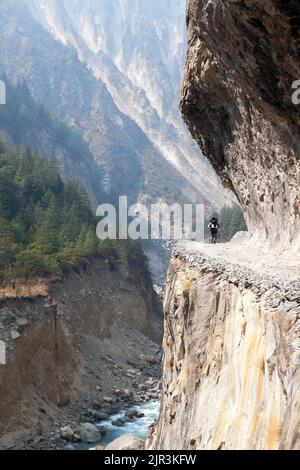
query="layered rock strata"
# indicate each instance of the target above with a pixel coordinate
(231, 357)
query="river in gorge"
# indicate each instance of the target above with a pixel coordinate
(138, 427)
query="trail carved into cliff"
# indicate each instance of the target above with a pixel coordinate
(232, 312)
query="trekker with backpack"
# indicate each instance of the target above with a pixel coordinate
(214, 228)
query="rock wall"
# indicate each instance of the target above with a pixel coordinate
(231, 359)
(232, 312)
(72, 345)
(39, 371)
(237, 101)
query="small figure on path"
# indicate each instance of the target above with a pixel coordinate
(214, 228)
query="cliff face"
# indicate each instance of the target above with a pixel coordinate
(231, 362)
(231, 346)
(72, 345)
(237, 101)
(39, 371)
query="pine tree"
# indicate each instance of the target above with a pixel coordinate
(47, 234)
(47, 226)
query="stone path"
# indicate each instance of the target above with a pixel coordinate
(243, 263)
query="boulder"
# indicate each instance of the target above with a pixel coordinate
(150, 359)
(108, 400)
(69, 447)
(131, 413)
(15, 334)
(126, 442)
(89, 433)
(118, 422)
(103, 416)
(67, 433)
(97, 415)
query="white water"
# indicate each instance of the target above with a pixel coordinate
(138, 428)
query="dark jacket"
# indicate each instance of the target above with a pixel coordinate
(214, 226)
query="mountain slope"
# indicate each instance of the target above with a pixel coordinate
(58, 80)
(24, 123)
(137, 49)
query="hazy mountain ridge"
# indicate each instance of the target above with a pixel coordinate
(64, 86)
(137, 49)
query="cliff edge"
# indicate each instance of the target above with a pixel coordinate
(231, 377)
(232, 311)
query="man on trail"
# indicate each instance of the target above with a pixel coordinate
(214, 228)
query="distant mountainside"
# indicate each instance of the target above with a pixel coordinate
(24, 123)
(111, 71)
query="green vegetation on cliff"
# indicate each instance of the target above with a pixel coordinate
(46, 225)
(24, 122)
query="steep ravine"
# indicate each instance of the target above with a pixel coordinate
(78, 351)
(232, 312)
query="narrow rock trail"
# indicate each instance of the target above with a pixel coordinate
(244, 259)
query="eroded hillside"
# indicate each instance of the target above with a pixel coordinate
(76, 352)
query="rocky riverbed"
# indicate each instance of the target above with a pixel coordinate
(127, 428)
(85, 424)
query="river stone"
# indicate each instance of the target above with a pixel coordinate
(148, 358)
(118, 422)
(96, 414)
(142, 387)
(67, 433)
(108, 400)
(126, 442)
(89, 433)
(131, 413)
(101, 429)
(69, 447)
